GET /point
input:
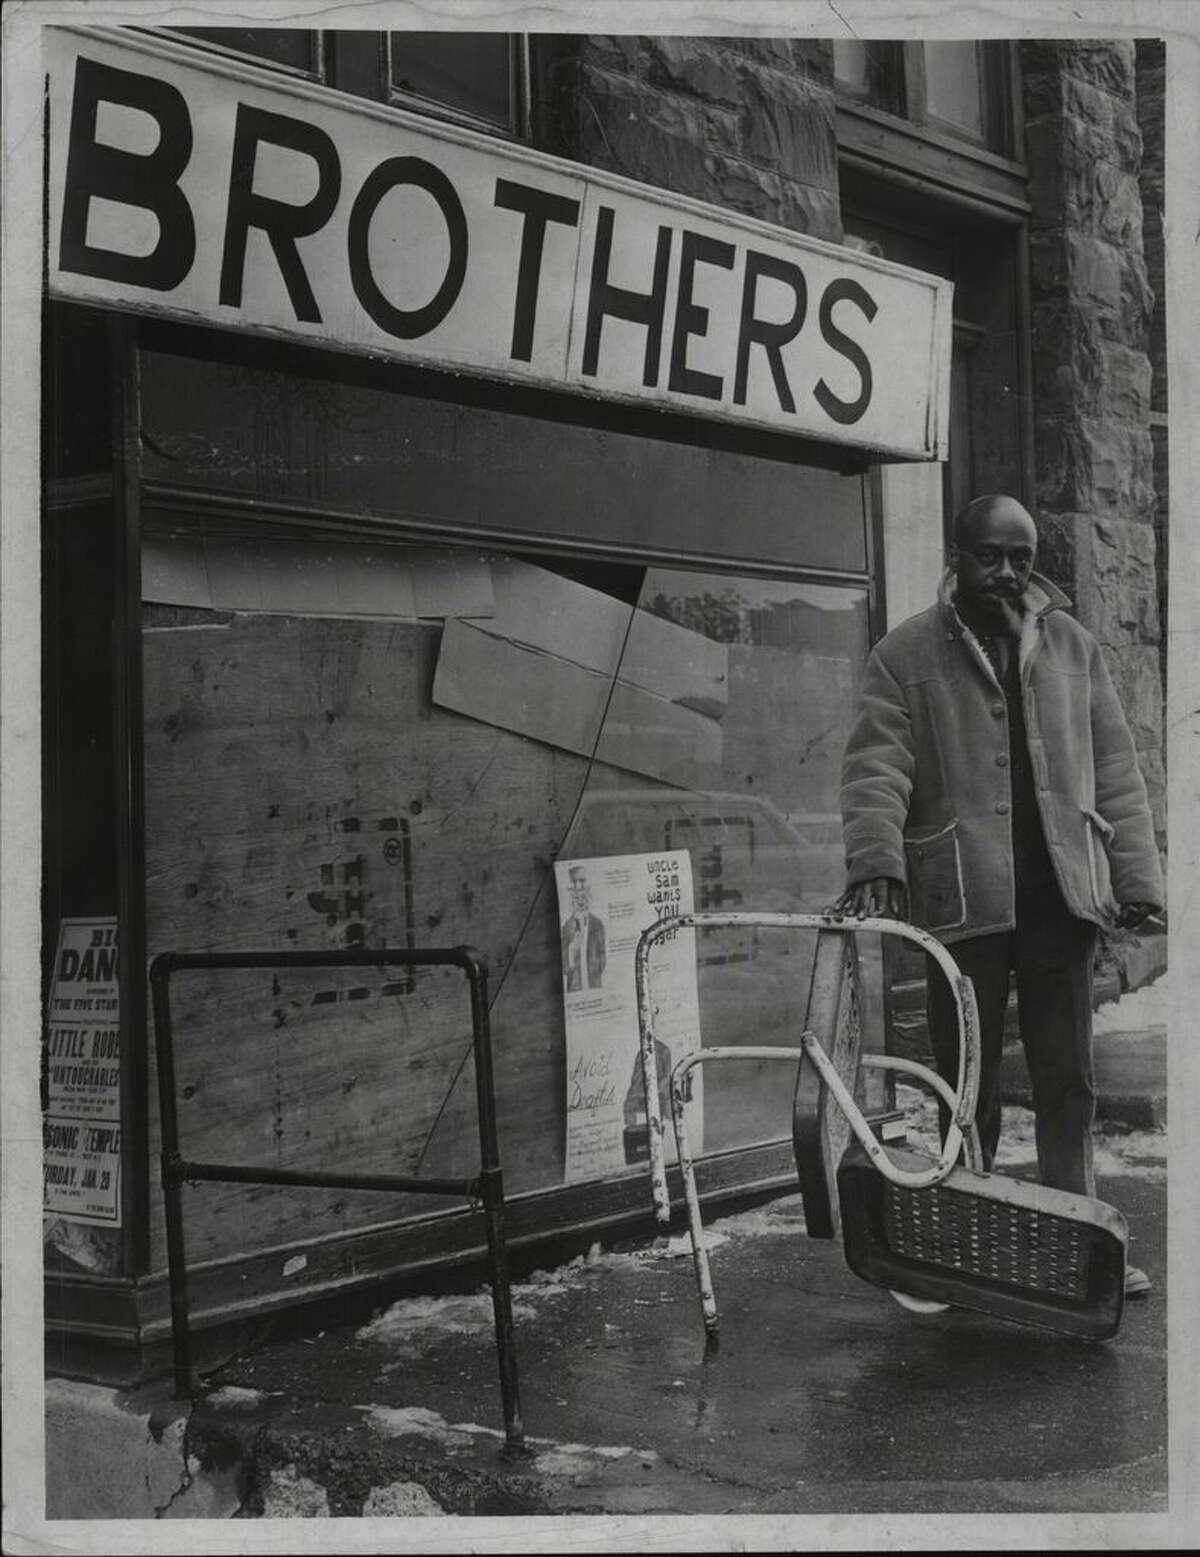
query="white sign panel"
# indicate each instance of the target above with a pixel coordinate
(215, 192)
(81, 1132)
(604, 905)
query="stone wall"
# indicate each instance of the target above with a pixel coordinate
(1151, 104)
(1092, 305)
(747, 123)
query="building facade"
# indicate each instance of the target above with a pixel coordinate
(354, 640)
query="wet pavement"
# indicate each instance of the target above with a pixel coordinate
(822, 1396)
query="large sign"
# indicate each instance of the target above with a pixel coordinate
(211, 191)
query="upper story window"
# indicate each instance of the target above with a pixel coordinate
(871, 72)
(477, 77)
(294, 49)
(474, 78)
(955, 87)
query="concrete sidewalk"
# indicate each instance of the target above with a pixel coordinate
(823, 1395)
(1129, 1048)
(1131, 1078)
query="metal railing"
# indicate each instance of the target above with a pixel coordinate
(486, 1187)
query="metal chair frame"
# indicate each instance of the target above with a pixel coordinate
(911, 1173)
(486, 1187)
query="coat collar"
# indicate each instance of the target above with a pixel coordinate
(1041, 597)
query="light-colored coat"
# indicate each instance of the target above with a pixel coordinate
(925, 780)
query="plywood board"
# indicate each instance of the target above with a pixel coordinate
(314, 578)
(303, 791)
(174, 571)
(564, 704)
(541, 610)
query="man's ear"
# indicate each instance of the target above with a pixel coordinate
(952, 557)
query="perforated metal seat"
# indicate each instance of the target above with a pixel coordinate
(983, 1241)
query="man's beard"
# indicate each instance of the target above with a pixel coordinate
(1002, 606)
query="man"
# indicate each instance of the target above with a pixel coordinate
(583, 947)
(991, 792)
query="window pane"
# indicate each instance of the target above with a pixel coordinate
(850, 63)
(952, 85)
(468, 71)
(281, 45)
(873, 72)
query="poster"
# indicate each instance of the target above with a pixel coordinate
(604, 905)
(81, 1132)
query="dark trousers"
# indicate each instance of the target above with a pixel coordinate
(1050, 951)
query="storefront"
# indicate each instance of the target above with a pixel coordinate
(441, 539)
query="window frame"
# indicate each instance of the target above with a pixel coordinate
(885, 87)
(994, 102)
(520, 121)
(897, 96)
(318, 72)
(359, 61)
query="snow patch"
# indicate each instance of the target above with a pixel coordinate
(412, 1318)
(401, 1500)
(680, 1245)
(289, 1495)
(574, 1460)
(783, 1217)
(1141, 1154)
(555, 1458)
(416, 1321)
(1129, 1154)
(420, 1422)
(235, 1397)
(1132, 1013)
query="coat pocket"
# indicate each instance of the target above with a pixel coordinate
(935, 884)
(1099, 873)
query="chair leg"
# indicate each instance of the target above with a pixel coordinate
(708, 1301)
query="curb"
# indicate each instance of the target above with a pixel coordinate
(115, 1454)
(240, 1454)
(1131, 1089)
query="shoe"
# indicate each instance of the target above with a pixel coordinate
(1137, 1283)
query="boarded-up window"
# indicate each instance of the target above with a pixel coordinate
(317, 777)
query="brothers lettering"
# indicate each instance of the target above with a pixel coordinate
(719, 320)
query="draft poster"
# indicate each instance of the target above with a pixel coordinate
(604, 905)
(81, 1131)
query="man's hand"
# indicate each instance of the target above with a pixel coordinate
(880, 898)
(1130, 916)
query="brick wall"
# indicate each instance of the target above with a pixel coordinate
(1092, 306)
(747, 123)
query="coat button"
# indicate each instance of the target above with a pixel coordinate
(997, 710)
(1002, 808)
(1002, 759)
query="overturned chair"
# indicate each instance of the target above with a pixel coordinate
(934, 1231)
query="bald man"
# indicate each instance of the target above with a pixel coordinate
(992, 795)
